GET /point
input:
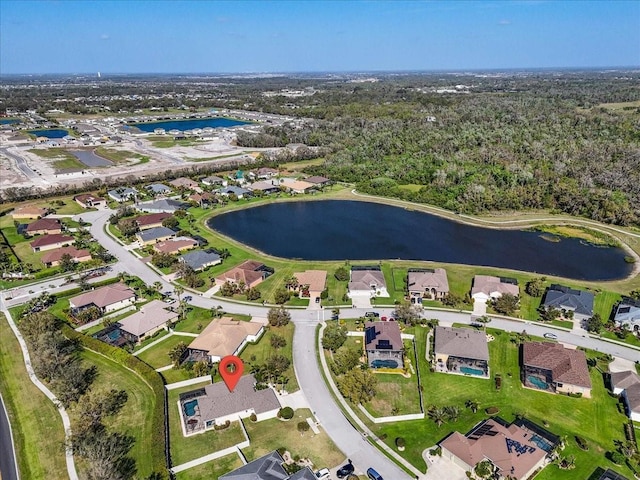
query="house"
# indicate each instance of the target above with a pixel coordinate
(154, 235)
(164, 205)
(49, 242)
(249, 272)
(152, 220)
(608, 474)
(214, 404)
(551, 367)
(187, 183)
(427, 283)
(266, 187)
(175, 245)
(158, 189)
(627, 385)
(199, 260)
(223, 337)
(462, 351)
(268, 467)
(107, 298)
(567, 299)
(152, 317)
(203, 199)
(515, 450)
(296, 186)
(486, 287)
(87, 200)
(233, 190)
(266, 173)
(29, 211)
(311, 283)
(44, 226)
(627, 314)
(123, 194)
(383, 345)
(52, 259)
(213, 180)
(318, 181)
(367, 282)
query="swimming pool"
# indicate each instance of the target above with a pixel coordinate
(542, 443)
(190, 408)
(384, 364)
(471, 371)
(536, 382)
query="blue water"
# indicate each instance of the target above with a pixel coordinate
(90, 159)
(471, 371)
(51, 133)
(114, 335)
(339, 230)
(8, 121)
(183, 125)
(541, 443)
(538, 383)
(190, 407)
(384, 364)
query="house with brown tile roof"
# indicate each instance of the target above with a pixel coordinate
(383, 345)
(29, 211)
(463, 351)
(86, 200)
(44, 226)
(49, 242)
(203, 199)
(311, 283)
(296, 186)
(107, 298)
(627, 385)
(203, 408)
(224, 336)
(152, 220)
(552, 367)
(175, 245)
(249, 272)
(427, 283)
(318, 180)
(151, 318)
(367, 282)
(487, 287)
(52, 259)
(186, 183)
(514, 451)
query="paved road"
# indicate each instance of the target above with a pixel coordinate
(8, 467)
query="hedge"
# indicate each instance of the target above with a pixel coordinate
(150, 376)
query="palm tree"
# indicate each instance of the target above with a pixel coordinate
(438, 415)
(472, 405)
(452, 412)
(157, 286)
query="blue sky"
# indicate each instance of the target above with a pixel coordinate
(131, 36)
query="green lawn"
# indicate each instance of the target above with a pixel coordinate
(135, 418)
(272, 434)
(37, 427)
(212, 470)
(198, 318)
(184, 449)
(158, 355)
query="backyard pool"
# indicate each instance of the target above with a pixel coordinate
(542, 443)
(384, 364)
(471, 371)
(536, 382)
(190, 408)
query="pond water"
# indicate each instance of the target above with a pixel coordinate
(51, 133)
(183, 125)
(341, 230)
(8, 121)
(90, 159)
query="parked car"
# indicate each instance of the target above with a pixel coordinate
(345, 470)
(373, 475)
(323, 474)
(372, 315)
(551, 336)
(187, 298)
(317, 299)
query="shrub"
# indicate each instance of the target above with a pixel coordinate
(286, 413)
(498, 380)
(582, 443)
(303, 426)
(223, 426)
(400, 442)
(492, 410)
(617, 457)
(253, 417)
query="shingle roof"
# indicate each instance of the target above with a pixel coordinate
(425, 280)
(51, 239)
(158, 188)
(44, 224)
(199, 259)
(624, 379)
(57, 254)
(316, 179)
(155, 233)
(559, 296)
(246, 272)
(363, 279)
(461, 342)
(30, 210)
(152, 218)
(566, 365)
(628, 310)
(379, 334)
(268, 467)
(103, 296)
(316, 279)
(164, 204)
(175, 245)
(488, 285)
(222, 337)
(151, 316)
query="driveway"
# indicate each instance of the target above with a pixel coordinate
(440, 468)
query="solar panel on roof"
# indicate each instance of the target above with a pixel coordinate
(369, 335)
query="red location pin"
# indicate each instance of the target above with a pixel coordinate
(231, 368)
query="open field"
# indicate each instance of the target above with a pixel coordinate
(121, 156)
(211, 470)
(158, 355)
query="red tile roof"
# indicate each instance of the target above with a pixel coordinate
(152, 219)
(44, 224)
(56, 255)
(566, 365)
(51, 239)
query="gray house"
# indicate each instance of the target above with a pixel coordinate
(461, 350)
(199, 260)
(268, 467)
(567, 299)
(154, 235)
(237, 191)
(158, 189)
(122, 194)
(383, 344)
(166, 205)
(627, 314)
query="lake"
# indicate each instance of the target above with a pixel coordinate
(341, 230)
(90, 159)
(190, 124)
(51, 133)
(8, 121)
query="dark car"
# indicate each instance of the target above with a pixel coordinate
(187, 298)
(345, 470)
(372, 315)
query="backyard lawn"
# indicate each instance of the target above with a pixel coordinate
(37, 427)
(158, 355)
(212, 470)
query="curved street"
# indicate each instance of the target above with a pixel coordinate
(8, 467)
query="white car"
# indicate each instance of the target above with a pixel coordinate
(323, 474)
(551, 336)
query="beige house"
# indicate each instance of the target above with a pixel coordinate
(428, 283)
(296, 186)
(29, 211)
(311, 283)
(175, 245)
(462, 351)
(627, 385)
(52, 259)
(49, 242)
(44, 226)
(108, 298)
(249, 272)
(223, 337)
(89, 201)
(383, 345)
(367, 282)
(151, 318)
(186, 183)
(486, 287)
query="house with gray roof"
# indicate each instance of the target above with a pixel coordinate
(232, 189)
(151, 318)
(566, 299)
(627, 385)
(166, 205)
(158, 189)
(627, 314)
(266, 187)
(268, 467)
(214, 404)
(383, 345)
(367, 282)
(199, 260)
(462, 351)
(122, 194)
(213, 180)
(427, 283)
(155, 235)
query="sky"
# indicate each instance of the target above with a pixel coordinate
(203, 36)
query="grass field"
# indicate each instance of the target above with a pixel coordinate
(37, 427)
(158, 355)
(121, 156)
(211, 470)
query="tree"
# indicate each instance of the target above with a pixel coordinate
(253, 294)
(472, 405)
(535, 287)
(506, 304)
(282, 295)
(105, 455)
(272, 369)
(303, 426)
(278, 341)
(278, 317)
(358, 385)
(170, 222)
(334, 336)
(341, 274)
(594, 324)
(67, 263)
(128, 227)
(163, 260)
(157, 286)
(345, 359)
(177, 352)
(201, 368)
(228, 289)
(407, 313)
(94, 407)
(548, 314)
(483, 469)
(438, 415)
(452, 300)
(452, 412)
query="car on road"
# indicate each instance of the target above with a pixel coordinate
(323, 474)
(187, 298)
(551, 336)
(372, 315)
(345, 470)
(373, 475)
